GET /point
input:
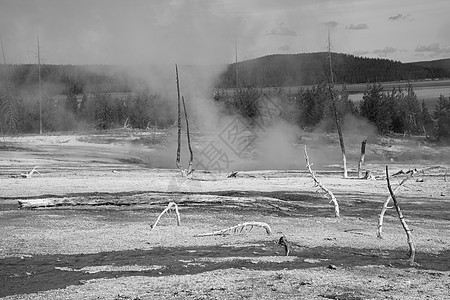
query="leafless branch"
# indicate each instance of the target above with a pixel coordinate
(28, 175)
(168, 208)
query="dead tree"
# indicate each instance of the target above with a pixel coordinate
(191, 155)
(412, 250)
(327, 192)
(385, 206)
(361, 159)
(238, 229)
(168, 208)
(336, 115)
(184, 172)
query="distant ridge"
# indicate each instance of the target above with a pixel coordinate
(438, 63)
(310, 68)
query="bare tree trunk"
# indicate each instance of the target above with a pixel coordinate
(336, 116)
(341, 138)
(412, 250)
(361, 159)
(191, 155)
(329, 194)
(178, 161)
(385, 207)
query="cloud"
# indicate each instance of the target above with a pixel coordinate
(433, 49)
(285, 48)
(399, 17)
(357, 27)
(360, 52)
(331, 24)
(281, 29)
(384, 52)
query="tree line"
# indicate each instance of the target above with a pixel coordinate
(393, 111)
(84, 112)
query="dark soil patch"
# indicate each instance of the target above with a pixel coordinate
(47, 272)
(6, 147)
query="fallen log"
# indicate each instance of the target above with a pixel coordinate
(238, 229)
(157, 198)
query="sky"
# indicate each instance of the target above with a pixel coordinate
(136, 32)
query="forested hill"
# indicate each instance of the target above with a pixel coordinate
(310, 68)
(438, 63)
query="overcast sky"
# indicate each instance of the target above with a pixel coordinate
(205, 31)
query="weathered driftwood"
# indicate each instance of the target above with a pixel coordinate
(327, 192)
(158, 198)
(238, 229)
(168, 208)
(361, 159)
(29, 174)
(412, 249)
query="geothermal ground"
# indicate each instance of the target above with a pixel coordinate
(104, 247)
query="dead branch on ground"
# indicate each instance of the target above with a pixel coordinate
(238, 229)
(29, 174)
(327, 192)
(412, 250)
(361, 159)
(168, 208)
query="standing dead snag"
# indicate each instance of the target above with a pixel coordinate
(336, 115)
(327, 192)
(361, 159)
(168, 208)
(191, 155)
(412, 250)
(184, 172)
(385, 206)
(238, 229)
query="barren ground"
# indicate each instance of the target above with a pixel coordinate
(110, 251)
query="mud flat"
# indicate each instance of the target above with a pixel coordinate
(98, 244)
